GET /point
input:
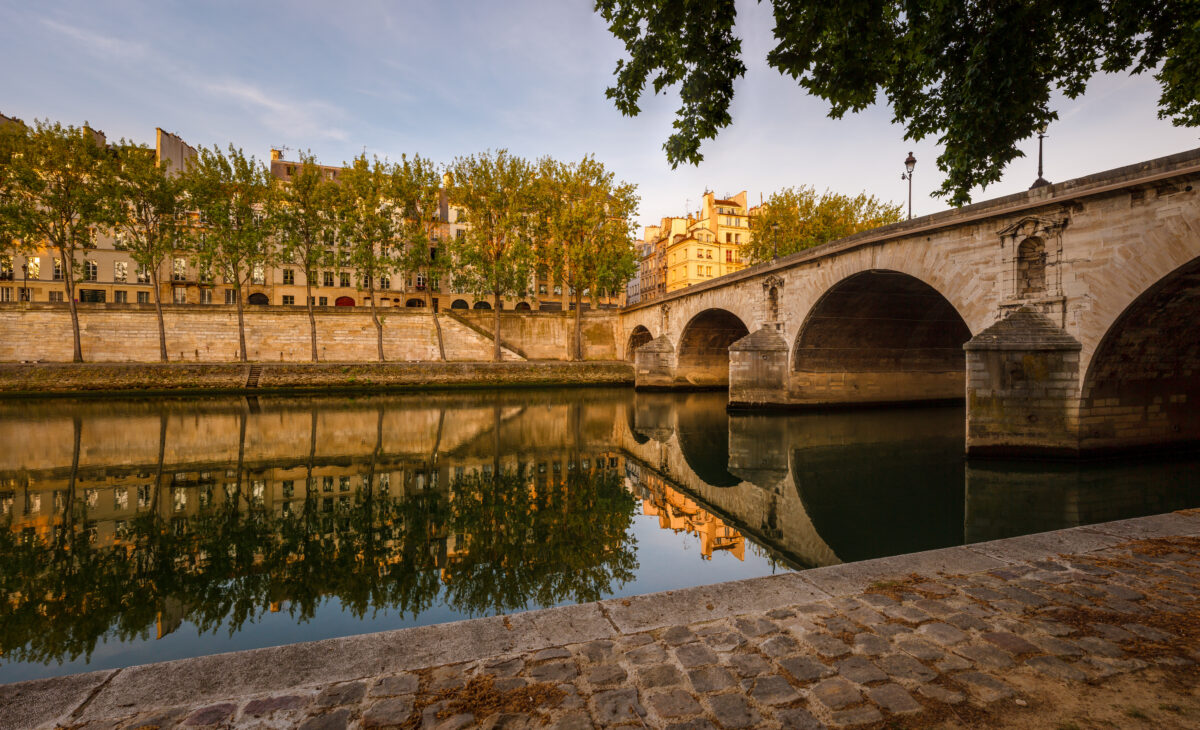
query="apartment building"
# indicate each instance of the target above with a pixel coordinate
(712, 244)
(681, 252)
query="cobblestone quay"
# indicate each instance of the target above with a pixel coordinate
(1014, 631)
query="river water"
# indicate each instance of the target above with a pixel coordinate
(146, 530)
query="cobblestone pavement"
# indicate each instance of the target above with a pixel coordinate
(911, 650)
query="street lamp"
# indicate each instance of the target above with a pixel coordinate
(909, 163)
(775, 237)
(1041, 181)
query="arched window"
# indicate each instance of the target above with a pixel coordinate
(1031, 267)
(459, 304)
(482, 305)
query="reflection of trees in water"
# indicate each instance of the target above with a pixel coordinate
(515, 547)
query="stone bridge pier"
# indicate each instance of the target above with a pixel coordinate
(1067, 318)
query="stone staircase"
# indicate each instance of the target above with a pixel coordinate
(461, 342)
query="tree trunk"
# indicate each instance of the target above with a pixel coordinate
(312, 318)
(237, 289)
(162, 330)
(375, 318)
(578, 353)
(69, 270)
(496, 355)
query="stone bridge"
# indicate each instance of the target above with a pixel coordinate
(1068, 317)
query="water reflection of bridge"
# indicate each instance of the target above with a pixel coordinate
(812, 488)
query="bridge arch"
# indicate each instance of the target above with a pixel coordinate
(639, 336)
(879, 336)
(1145, 369)
(703, 352)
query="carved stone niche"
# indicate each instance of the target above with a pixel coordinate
(772, 287)
(1031, 250)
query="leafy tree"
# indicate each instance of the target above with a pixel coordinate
(417, 193)
(794, 219)
(495, 256)
(976, 75)
(12, 138)
(369, 226)
(144, 197)
(233, 195)
(306, 225)
(587, 224)
(57, 183)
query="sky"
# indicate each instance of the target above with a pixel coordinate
(451, 78)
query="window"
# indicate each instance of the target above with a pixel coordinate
(230, 296)
(6, 294)
(58, 270)
(179, 270)
(541, 288)
(420, 281)
(121, 297)
(179, 295)
(33, 268)
(143, 297)
(344, 278)
(385, 282)
(56, 296)
(25, 295)
(6, 269)
(143, 275)
(258, 275)
(289, 277)
(206, 276)
(92, 295)
(323, 301)
(289, 488)
(90, 270)
(206, 296)
(728, 238)
(288, 300)
(728, 256)
(327, 278)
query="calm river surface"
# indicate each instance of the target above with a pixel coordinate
(144, 530)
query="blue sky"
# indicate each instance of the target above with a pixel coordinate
(451, 77)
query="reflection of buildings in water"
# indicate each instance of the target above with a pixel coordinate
(47, 505)
(678, 512)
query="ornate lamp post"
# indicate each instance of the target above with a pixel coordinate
(1041, 181)
(909, 163)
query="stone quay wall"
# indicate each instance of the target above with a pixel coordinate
(41, 332)
(67, 378)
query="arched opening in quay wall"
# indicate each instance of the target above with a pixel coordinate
(880, 337)
(1143, 382)
(703, 354)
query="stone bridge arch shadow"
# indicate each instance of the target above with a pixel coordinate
(703, 352)
(1142, 385)
(638, 337)
(879, 336)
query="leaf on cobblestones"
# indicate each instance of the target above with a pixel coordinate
(481, 698)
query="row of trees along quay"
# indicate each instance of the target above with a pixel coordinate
(60, 188)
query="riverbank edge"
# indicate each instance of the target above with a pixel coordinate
(75, 379)
(76, 699)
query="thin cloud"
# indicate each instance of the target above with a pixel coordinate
(96, 43)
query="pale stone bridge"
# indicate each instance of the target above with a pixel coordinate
(1067, 316)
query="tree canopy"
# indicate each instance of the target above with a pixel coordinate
(977, 76)
(794, 219)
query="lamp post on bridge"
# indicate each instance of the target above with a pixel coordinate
(1041, 181)
(909, 163)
